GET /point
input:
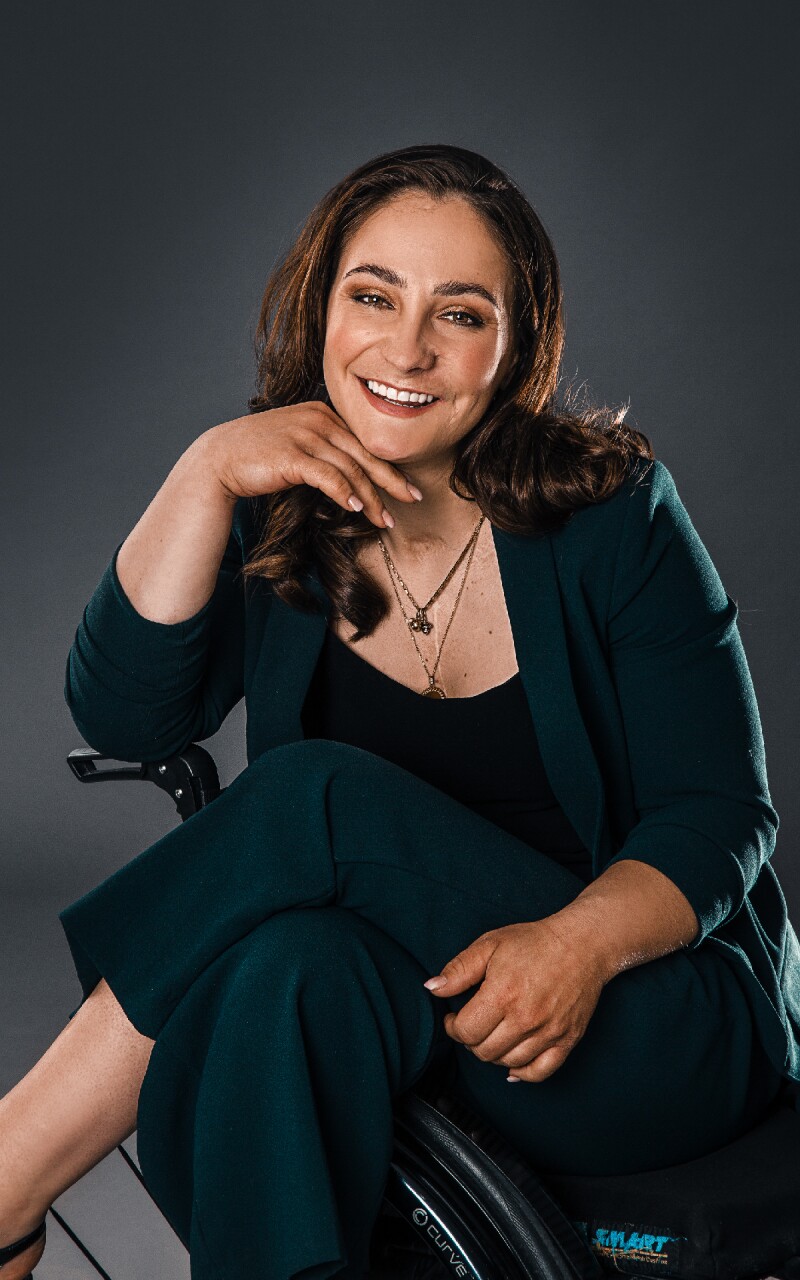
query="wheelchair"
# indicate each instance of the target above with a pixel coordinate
(460, 1201)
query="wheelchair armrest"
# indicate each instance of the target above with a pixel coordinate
(190, 777)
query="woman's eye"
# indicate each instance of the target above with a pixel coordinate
(476, 323)
(359, 297)
(473, 321)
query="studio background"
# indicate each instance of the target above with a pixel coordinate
(159, 160)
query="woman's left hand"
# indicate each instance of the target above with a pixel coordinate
(540, 985)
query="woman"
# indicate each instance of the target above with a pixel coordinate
(570, 830)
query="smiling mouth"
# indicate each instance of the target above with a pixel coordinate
(396, 396)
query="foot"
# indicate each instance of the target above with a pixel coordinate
(14, 1229)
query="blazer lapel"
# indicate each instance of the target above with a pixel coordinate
(535, 610)
(293, 639)
(289, 650)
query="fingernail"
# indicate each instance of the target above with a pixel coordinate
(414, 491)
(387, 519)
(433, 983)
(355, 503)
(513, 1079)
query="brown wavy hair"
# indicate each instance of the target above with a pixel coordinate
(530, 462)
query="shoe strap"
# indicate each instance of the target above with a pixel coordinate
(10, 1251)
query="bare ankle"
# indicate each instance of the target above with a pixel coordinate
(20, 1267)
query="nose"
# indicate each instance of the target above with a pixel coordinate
(408, 346)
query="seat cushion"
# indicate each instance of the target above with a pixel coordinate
(733, 1213)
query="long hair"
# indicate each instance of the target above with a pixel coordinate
(528, 464)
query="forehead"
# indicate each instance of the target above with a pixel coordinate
(418, 236)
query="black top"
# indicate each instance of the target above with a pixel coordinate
(481, 750)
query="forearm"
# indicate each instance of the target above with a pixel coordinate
(169, 562)
(630, 914)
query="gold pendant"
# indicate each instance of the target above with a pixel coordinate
(421, 623)
(434, 691)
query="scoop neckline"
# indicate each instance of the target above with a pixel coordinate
(494, 689)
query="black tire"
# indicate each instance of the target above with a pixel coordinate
(458, 1200)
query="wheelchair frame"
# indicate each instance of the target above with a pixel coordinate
(458, 1198)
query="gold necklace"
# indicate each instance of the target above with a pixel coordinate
(420, 621)
(434, 690)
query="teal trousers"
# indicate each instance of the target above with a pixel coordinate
(275, 945)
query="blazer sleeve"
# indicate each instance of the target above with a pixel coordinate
(691, 720)
(143, 690)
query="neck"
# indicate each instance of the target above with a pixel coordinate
(442, 521)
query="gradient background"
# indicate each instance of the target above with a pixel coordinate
(158, 162)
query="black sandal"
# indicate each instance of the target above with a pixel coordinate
(10, 1251)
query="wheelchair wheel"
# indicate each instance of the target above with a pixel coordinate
(457, 1200)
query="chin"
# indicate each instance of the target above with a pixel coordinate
(384, 442)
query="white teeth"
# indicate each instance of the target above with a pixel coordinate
(406, 397)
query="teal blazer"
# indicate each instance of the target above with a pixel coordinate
(631, 658)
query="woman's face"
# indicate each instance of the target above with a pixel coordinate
(420, 303)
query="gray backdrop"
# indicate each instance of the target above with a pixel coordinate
(160, 159)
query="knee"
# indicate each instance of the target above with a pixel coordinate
(300, 944)
(311, 932)
(348, 984)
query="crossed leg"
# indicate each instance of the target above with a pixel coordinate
(224, 909)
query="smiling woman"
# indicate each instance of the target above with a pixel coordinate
(426, 272)
(410, 339)
(573, 819)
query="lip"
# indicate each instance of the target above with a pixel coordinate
(394, 408)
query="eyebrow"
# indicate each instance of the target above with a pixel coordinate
(449, 288)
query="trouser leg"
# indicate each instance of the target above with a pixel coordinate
(319, 823)
(265, 1129)
(306, 824)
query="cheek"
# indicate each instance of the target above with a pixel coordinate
(333, 337)
(344, 339)
(479, 369)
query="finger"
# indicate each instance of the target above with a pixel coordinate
(475, 1027)
(508, 1046)
(360, 483)
(489, 1047)
(545, 1064)
(465, 969)
(340, 481)
(382, 474)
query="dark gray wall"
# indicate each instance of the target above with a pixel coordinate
(160, 159)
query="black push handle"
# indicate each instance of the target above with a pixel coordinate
(190, 777)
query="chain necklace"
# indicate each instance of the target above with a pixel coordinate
(420, 621)
(433, 690)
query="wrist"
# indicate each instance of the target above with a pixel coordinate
(630, 914)
(590, 936)
(204, 464)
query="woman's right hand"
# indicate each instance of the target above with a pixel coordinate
(304, 443)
